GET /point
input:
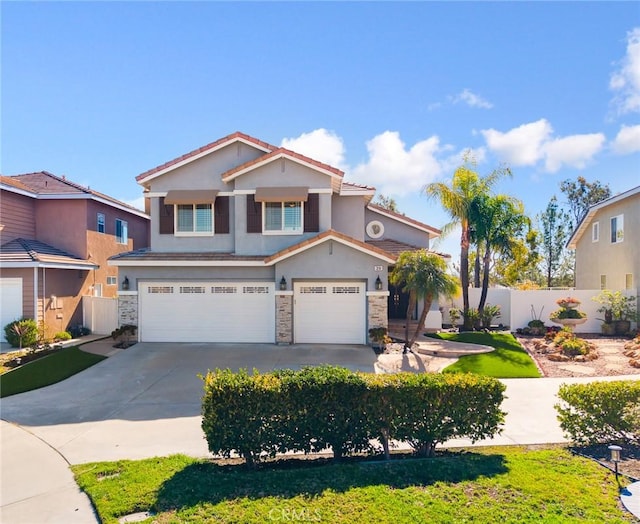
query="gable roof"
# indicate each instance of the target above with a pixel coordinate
(43, 185)
(591, 212)
(324, 237)
(202, 151)
(396, 247)
(433, 232)
(22, 252)
(276, 154)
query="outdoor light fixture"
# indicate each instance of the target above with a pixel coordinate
(283, 283)
(615, 458)
(125, 284)
(378, 284)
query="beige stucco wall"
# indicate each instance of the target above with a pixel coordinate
(616, 260)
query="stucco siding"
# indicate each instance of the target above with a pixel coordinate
(347, 216)
(205, 172)
(613, 260)
(397, 230)
(17, 216)
(55, 216)
(282, 173)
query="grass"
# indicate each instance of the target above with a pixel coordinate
(47, 370)
(509, 360)
(509, 484)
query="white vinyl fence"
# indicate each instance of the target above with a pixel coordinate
(519, 307)
(100, 314)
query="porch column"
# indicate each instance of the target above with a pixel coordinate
(377, 312)
(284, 317)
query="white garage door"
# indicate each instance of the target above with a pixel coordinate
(10, 302)
(207, 312)
(329, 312)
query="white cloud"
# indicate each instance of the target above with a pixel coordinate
(575, 151)
(627, 140)
(471, 99)
(625, 81)
(395, 170)
(320, 144)
(520, 146)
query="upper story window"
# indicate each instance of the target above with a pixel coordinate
(282, 217)
(101, 223)
(194, 219)
(595, 232)
(122, 231)
(617, 229)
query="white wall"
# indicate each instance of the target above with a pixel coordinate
(100, 314)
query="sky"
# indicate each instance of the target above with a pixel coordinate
(392, 93)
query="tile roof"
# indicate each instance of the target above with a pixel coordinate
(277, 153)
(146, 255)
(22, 250)
(45, 183)
(229, 138)
(396, 247)
(326, 235)
(350, 186)
(400, 216)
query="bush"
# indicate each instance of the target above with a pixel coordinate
(62, 335)
(21, 333)
(601, 412)
(319, 407)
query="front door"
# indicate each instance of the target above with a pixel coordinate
(398, 303)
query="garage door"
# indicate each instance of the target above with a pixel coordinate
(329, 312)
(207, 312)
(10, 302)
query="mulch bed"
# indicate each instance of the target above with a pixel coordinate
(628, 466)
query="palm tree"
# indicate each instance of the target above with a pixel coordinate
(498, 222)
(422, 275)
(457, 200)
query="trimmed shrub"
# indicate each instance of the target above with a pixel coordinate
(62, 335)
(21, 333)
(600, 412)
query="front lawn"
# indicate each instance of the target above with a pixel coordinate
(481, 485)
(508, 360)
(47, 370)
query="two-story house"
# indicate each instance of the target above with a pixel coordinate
(251, 242)
(607, 244)
(55, 239)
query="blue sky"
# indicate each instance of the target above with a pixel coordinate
(392, 93)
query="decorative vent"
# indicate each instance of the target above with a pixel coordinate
(320, 290)
(375, 229)
(192, 289)
(255, 289)
(346, 290)
(160, 289)
(222, 290)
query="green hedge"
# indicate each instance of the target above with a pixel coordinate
(330, 407)
(601, 412)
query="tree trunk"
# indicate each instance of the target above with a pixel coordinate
(410, 308)
(423, 316)
(464, 276)
(476, 269)
(485, 282)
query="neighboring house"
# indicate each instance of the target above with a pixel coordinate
(607, 244)
(55, 239)
(255, 243)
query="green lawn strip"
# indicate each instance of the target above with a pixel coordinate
(508, 360)
(507, 484)
(47, 370)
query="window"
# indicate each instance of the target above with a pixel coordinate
(283, 217)
(122, 234)
(617, 229)
(595, 232)
(194, 219)
(628, 281)
(101, 223)
(603, 281)
(111, 281)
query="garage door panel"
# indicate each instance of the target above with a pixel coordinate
(330, 312)
(208, 312)
(10, 301)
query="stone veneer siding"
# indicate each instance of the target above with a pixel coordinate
(128, 309)
(284, 319)
(377, 311)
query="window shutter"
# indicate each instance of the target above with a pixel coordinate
(165, 217)
(221, 210)
(312, 213)
(254, 215)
